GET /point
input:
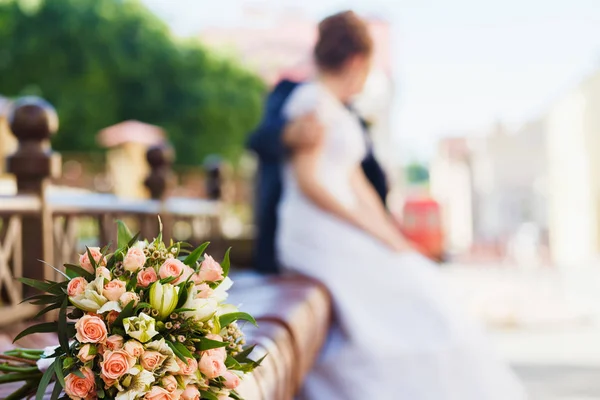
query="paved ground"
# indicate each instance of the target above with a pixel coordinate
(545, 322)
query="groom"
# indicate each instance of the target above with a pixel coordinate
(272, 141)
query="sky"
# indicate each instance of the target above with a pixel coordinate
(459, 65)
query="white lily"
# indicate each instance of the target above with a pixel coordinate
(141, 327)
(164, 298)
(220, 292)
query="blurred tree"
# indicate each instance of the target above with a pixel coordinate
(100, 62)
(417, 173)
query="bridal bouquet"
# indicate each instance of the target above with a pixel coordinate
(148, 321)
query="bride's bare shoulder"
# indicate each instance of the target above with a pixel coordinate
(304, 99)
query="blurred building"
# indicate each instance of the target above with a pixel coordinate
(573, 125)
(492, 187)
(277, 43)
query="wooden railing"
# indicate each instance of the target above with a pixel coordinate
(36, 224)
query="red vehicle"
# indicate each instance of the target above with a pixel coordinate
(421, 224)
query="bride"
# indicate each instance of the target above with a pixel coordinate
(399, 338)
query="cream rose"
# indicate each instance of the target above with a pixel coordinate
(187, 369)
(99, 259)
(210, 270)
(211, 367)
(114, 342)
(146, 277)
(169, 383)
(152, 360)
(114, 289)
(134, 348)
(76, 286)
(172, 267)
(191, 392)
(158, 393)
(128, 297)
(134, 259)
(86, 353)
(231, 380)
(80, 388)
(90, 329)
(116, 364)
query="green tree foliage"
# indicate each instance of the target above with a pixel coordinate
(417, 173)
(100, 62)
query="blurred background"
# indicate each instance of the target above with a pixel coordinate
(486, 116)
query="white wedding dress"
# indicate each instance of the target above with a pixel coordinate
(398, 338)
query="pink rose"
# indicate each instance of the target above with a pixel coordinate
(211, 367)
(134, 260)
(158, 393)
(169, 383)
(86, 353)
(210, 270)
(218, 353)
(76, 286)
(116, 364)
(103, 272)
(85, 263)
(191, 392)
(151, 360)
(114, 289)
(112, 316)
(90, 329)
(114, 342)
(81, 388)
(172, 267)
(204, 291)
(146, 277)
(128, 297)
(134, 348)
(231, 380)
(187, 369)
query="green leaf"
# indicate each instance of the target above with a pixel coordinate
(169, 279)
(39, 328)
(63, 339)
(58, 387)
(243, 356)
(78, 373)
(140, 306)
(207, 344)
(184, 292)
(133, 240)
(46, 378)
(193, 257)
(126, 313)
(123, 234)
(40, 285)
(91, 258)
(78, 271)
(60, 376)
(226, 263)
(233, 394)
(176, 347)
(232, 363)
(226, 319)
(45, 299)
(208, 395)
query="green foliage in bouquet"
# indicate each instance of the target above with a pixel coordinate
(148, 321)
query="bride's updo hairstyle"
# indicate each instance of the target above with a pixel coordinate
(341, 36)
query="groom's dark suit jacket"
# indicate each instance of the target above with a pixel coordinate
(267, 143)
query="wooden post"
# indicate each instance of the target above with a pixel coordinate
(33, 121)
(160, 158)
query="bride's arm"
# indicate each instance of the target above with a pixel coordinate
(368, 218)
(304, 163)
(376, 217)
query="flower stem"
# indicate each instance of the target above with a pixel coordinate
(23, 391)
(18, 359)
(18, 376)
(12, 368)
